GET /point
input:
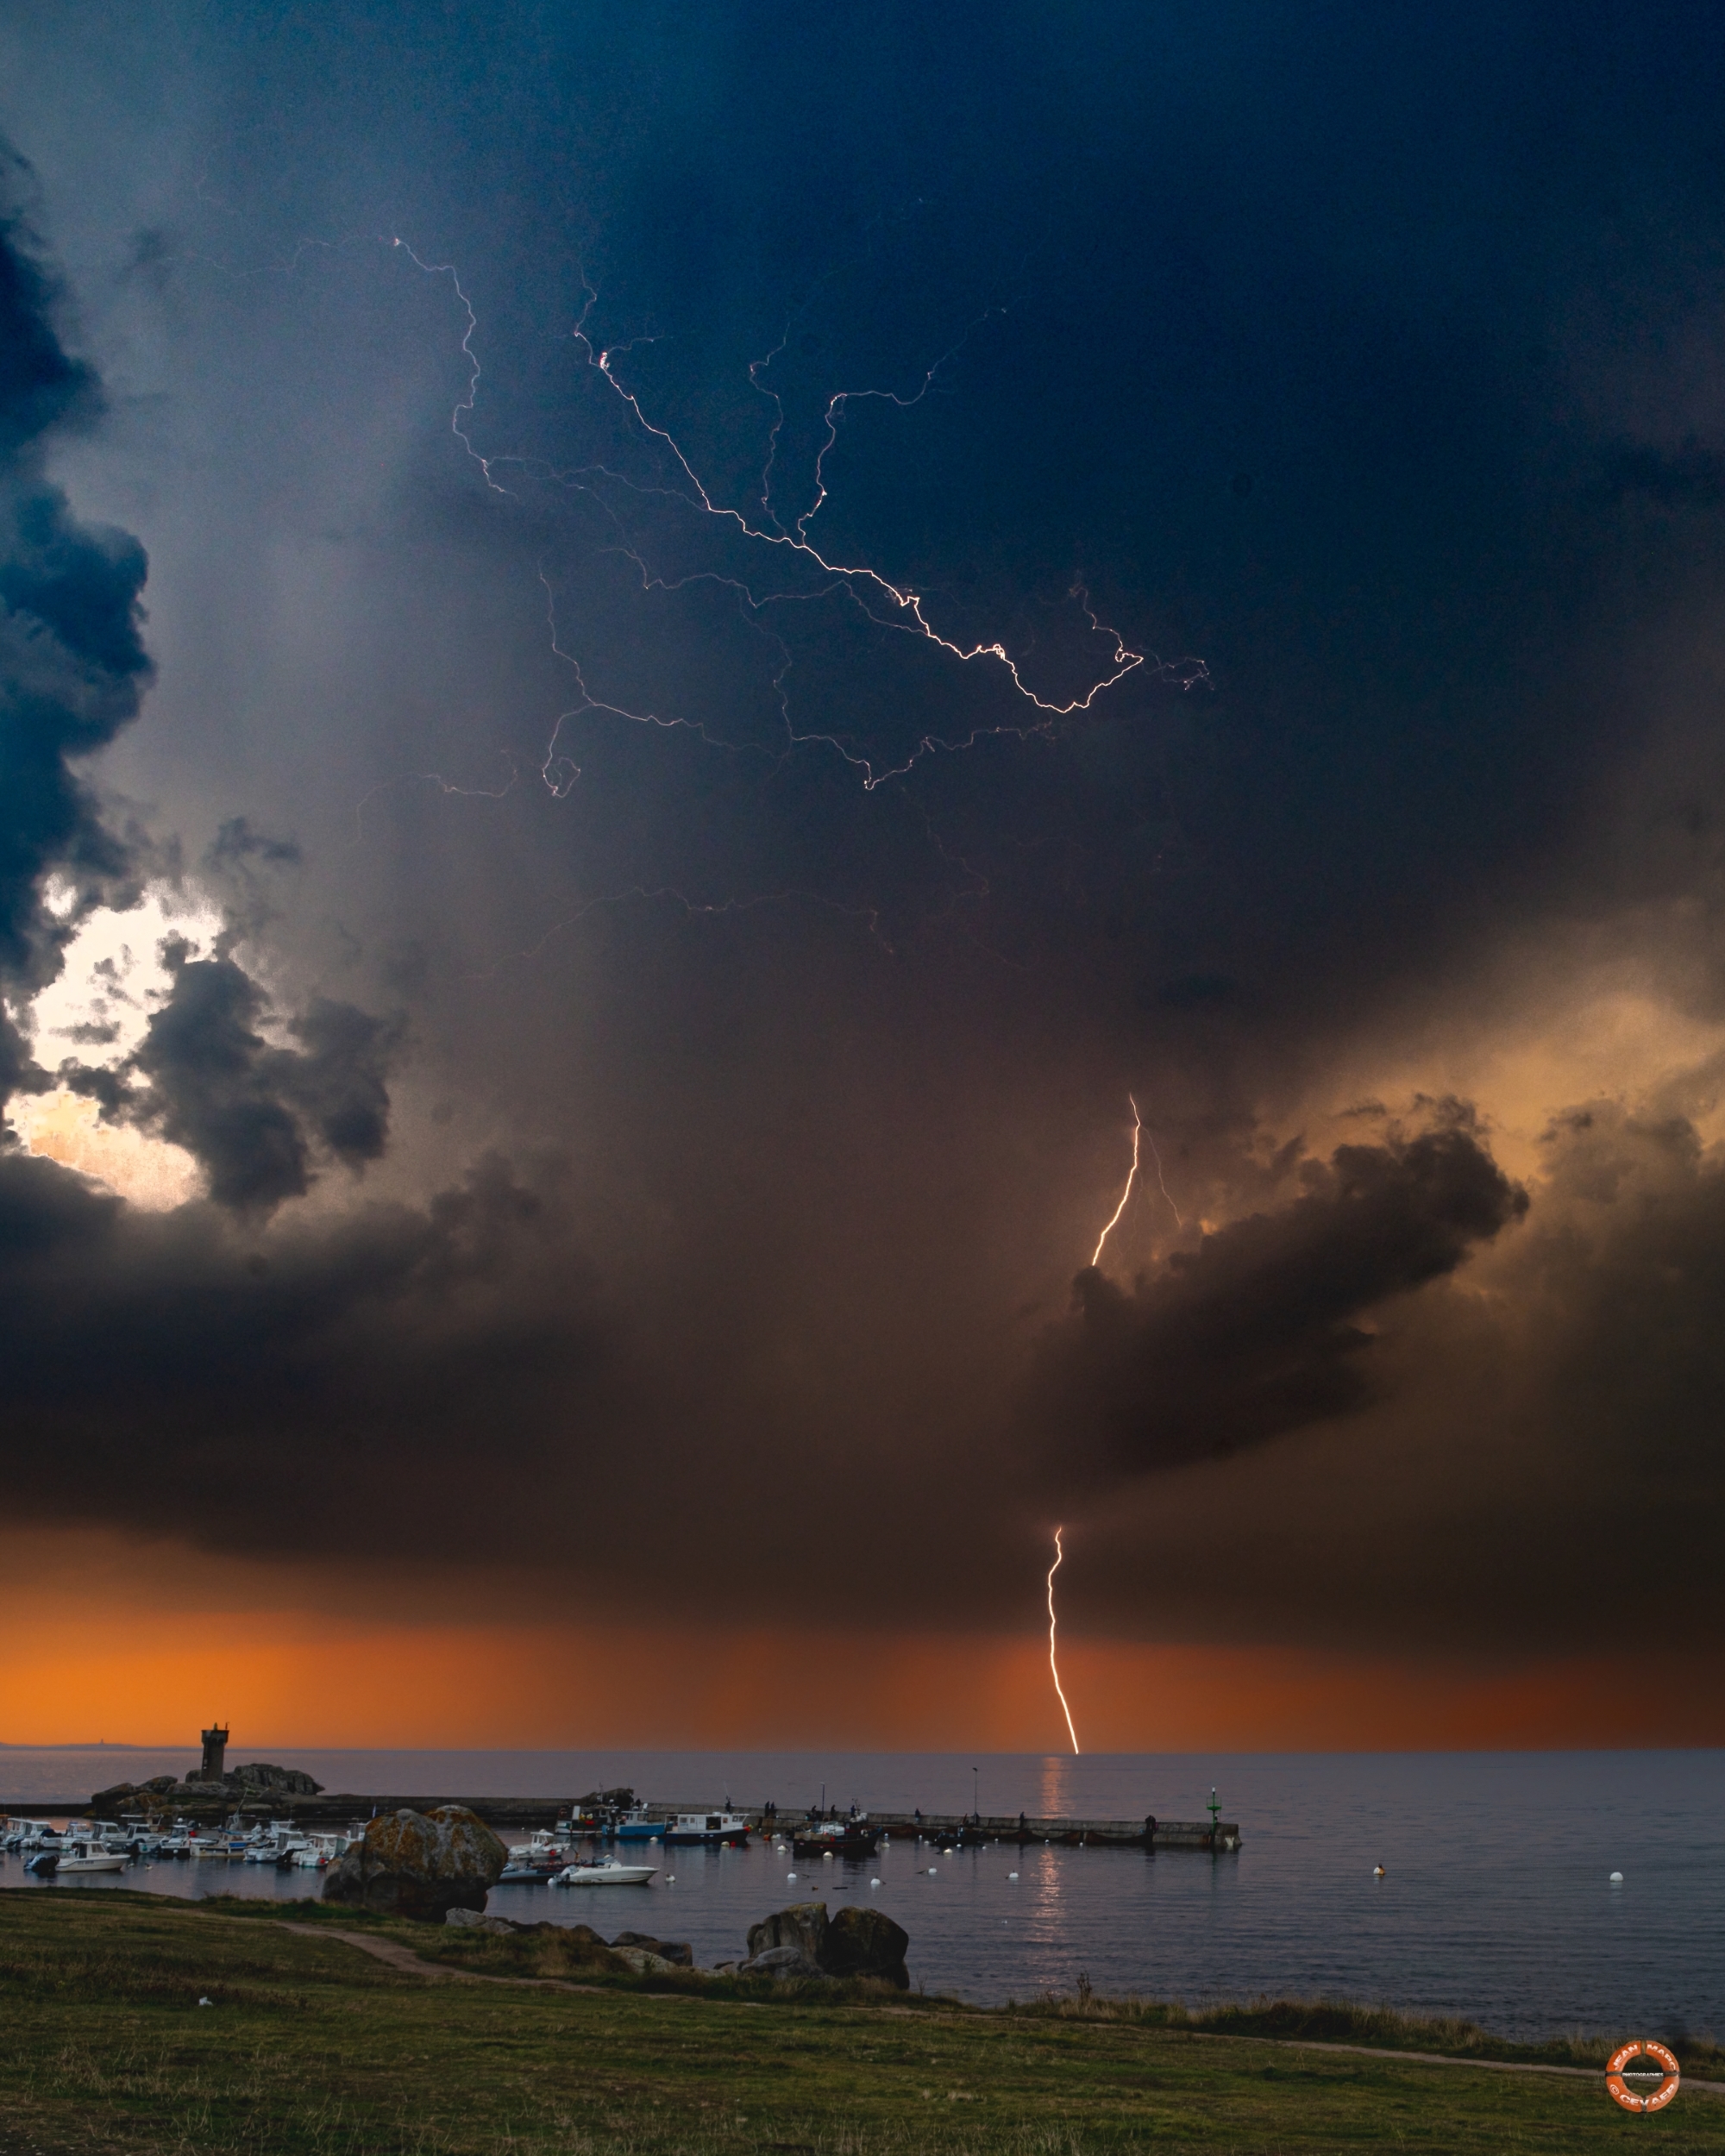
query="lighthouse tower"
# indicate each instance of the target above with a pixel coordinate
(215, 1746)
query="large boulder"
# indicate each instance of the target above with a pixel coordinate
(802, 1941)
(863, 1942)
(420, 1865)
(802, 1925)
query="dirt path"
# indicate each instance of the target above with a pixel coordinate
(1436, 2058)
(409, 1964)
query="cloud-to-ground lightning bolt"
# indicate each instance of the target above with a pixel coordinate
(1054, 1666)
(1132, 1178)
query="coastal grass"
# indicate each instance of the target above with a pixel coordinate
(311, 2047)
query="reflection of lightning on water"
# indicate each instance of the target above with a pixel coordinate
(1053, 1665)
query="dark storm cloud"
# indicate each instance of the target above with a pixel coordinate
(1539, 1467)
(369, 1385)
(250, 1114)
(73, 664)
(1258, 1331)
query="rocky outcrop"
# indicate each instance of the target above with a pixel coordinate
(239, 1785)
(802, 1941)
(420, 1865)
(260, 1778)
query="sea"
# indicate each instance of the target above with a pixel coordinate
(1497, 1900)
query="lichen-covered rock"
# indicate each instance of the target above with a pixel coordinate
(420, 1865)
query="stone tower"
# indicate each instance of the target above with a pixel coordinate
(215, 1746)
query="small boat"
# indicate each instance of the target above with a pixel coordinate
(589, 1871)
(84, 1856)
(531, 1863)
(319, 1852)
(690, 1827)
(854, 1839)
(44, 1864)
(635, 1826)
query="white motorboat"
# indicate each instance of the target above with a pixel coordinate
(589, 1871)
(86, 1856)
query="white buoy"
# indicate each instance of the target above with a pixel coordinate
(931, 1871)
(790, 1878)
(1012, 1874)
(1616, 1878)
(826, 1856)
(670, 1879)
(874, 1882)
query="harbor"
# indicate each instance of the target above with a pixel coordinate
(346, 1810)
(214, 1804)
(1529, 1934)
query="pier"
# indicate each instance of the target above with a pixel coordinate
(1148, 1832)
(523, 1814)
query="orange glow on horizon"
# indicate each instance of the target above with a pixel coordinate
(307, 1681)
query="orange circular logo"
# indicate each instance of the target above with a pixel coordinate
(1662, 2069)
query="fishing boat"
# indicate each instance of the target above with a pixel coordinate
(851, 1838)
(635, 1826)
(594, 1871)
(706, 1827)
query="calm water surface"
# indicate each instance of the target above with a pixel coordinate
(1496, 1904)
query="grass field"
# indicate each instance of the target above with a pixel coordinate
(312, 2047)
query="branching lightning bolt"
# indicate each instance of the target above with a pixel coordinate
(464, 408)
(1054, 1667)
(1160, 1182)
(894, 607)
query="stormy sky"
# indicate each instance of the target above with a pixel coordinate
(657, 664)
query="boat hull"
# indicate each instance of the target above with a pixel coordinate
(605, 1875)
